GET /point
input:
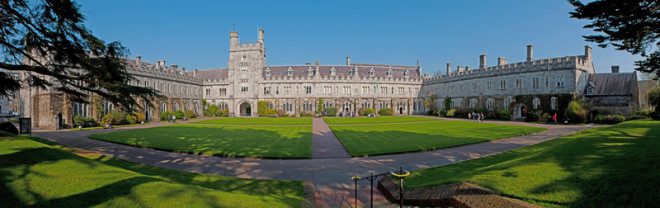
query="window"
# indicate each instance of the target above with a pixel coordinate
(327, 104)
(506, 103)
(222, 105)
(473, 103)
(366, 105)
(553, 103)
(277, 90)
(310, 71)
(488, 87)
(560, 81)
(266, 90)
(347, 90)
(366, 90)
(490, 103)
(287, 90)
(289, 72)
(208, 91)
(371, 72)
(518, 83)
(287, 107)
(308, 106)
(406, 74)
(308, 89)
(502, 84)
(535, 82)
(536, 103)
(333, 71)
(223, 91)
(389, 72)
(383, 90)
(401, 90)
(244, 89)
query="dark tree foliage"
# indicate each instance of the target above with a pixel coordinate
(627, 25)
(47, 38)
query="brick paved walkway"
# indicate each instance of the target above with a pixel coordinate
(330, 176)
(324, 142)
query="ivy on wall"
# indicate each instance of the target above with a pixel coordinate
(544, 111)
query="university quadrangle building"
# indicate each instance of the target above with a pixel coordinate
(521, 87)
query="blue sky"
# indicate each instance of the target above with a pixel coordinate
(195, 34)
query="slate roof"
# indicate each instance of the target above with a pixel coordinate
(611, 84)
(210, 74)
(363, 70)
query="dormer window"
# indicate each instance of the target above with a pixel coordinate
(310, 71)
(389, 73)
(350, 72)
(407, 74)
(289, 72)
(333, 71)
(590, 88)
(371, 72)
(268, 72)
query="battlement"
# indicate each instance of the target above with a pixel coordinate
(160, 70)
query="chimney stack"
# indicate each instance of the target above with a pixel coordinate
(530, 53)
(348, 60)
(482, 61)
(448, 68)
(615, 69)
(260, 39)
(160, 63)
(501, 61)
(233, 39)
(138, 60)
(587, 52)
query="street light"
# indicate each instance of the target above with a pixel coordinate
(400, 175)
(355, 180)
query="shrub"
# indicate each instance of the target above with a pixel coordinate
(609, 119)
(385, 112)
(140, 117)
(331, 112)
(211, 110)
(306, 114)
(130, 119)
(575, 112)
(451, 112)
(503, 114)
(189, 114)
(281, 113)
(114, 118)
(165, 115)
(8, 127)
(641, 114)
(179, 114)
(222, 112)
(84, 121)
(654, 100)
(366, 111)
(442, 112)
(461, 113)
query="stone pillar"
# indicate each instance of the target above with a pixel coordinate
(530, 53)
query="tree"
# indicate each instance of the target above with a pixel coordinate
(631, 25)
(429, 102)
(47, 39)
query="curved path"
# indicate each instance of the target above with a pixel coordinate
(328, 175)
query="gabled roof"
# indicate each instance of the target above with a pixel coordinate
(613, 83)
(380, 71)
(210, 74)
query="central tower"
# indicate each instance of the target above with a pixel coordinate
(246, 60)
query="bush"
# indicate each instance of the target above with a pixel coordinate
(451, 112)
(131, 119)
(140, 117)
(84, 121)
(366, 111)
(306, 114)
(114, 118)
(165, 115)
(211, 110)
(222, 112)
(189, 114)
(385, 112)
(331, 112)
(442, 112)
(641, 114)
(609, 119)
(575, 112)
(461, 113)
(281, 113)
(8, 127)
(179, 114)
(654, 100)
(503, 114)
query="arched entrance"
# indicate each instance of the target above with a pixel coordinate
(520, 112)
(246, 109)
(400, 109)
(60, 121)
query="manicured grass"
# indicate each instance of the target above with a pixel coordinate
(378, 139)
(230, 140)
(371, 120)
(35, 174)
(259, 121)
(616, 166)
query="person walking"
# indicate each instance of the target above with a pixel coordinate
(174, 119)
(554, 118)
(481, 117)
(470, 116)
(169, 119)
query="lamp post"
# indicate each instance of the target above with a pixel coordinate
(355, 180)
(400, 175)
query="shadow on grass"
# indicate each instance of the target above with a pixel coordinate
(606, 167)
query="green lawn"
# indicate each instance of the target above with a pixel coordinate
(616, 166)
(259, 121)
(384, 138)
(371, 120)
(223, 140)
(35, 174)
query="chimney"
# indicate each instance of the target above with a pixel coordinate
(615, 69)
(160, 63)
(530, 53)
(138, 60)
(174, 66)
(482, 61)
(260, 38)
(587, 52)
(195, 73)
(501, 61)
(459, 69)
(467, 68)
(448, 68)
(233, 39)
(348, 60)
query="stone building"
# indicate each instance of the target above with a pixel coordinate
(612, 93)
(520, 87)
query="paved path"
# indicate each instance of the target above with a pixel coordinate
(324, 143)
(330, 176)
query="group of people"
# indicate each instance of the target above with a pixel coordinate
(479, 117)
(171, 119)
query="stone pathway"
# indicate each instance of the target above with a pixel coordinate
(331, 176)
(324, 143)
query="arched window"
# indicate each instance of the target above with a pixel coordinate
(536, 103)
(308, 106)
(406, 74)
(289, 72)
(310, 71)
(333, 71)
(222, 105)
(490, 103)
(371, 72)
(287, 106)
(553, 103)
(473, 103)
(506, 103)
(268, 72)
(389, 72)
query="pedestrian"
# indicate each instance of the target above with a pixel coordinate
(169, 119)
(554, 118)
(174, 119)
(470, 116)
(482, 117)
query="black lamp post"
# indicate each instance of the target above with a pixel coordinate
(355, 180)
(400, 175)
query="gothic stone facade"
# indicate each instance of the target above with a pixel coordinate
(297, 89)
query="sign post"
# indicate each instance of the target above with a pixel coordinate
(25, 125)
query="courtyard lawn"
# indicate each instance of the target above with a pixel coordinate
(259, 121)
(378, 139)
(221, 140)
(371, 120)
(616, 166)
(36, 174)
